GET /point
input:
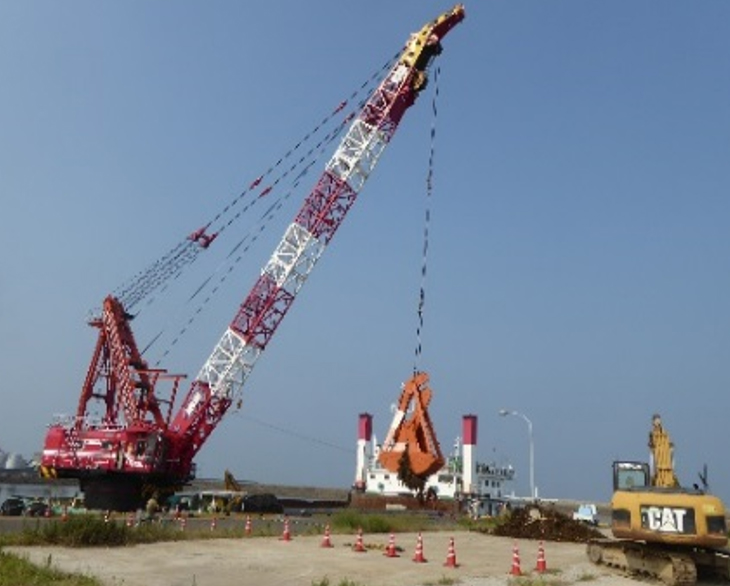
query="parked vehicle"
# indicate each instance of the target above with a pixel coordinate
(37, 509)
(12, 507)
(587, 514)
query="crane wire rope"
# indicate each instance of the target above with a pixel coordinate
(171, 264)
(225, 268)
(427, 225)
(296, 434)
(230, 262)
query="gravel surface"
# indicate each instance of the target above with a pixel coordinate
(483, 560)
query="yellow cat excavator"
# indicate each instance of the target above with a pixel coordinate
(661, 529)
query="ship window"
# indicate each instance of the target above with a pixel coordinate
(387, 476)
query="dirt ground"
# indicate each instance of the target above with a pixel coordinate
(482, 560)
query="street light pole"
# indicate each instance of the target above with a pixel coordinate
(505, 412)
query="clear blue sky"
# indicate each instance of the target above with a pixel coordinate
(578, 264)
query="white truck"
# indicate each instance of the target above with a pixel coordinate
(586, 513)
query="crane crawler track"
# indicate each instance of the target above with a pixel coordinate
(673, 566)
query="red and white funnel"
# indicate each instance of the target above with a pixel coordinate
(364, 435)
(469, 446)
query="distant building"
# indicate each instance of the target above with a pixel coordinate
(15, 462)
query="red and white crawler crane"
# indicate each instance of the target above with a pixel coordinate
(136, 446)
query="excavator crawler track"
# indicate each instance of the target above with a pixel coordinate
(672, 566)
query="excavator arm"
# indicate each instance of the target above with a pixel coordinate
(662, 455)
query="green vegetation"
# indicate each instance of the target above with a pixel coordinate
(347, 521)
(91, 530)
(15, 570)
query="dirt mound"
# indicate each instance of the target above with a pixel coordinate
(537, 522)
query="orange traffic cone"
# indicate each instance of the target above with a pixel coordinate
(248, 525)
(390, 550)
(213, 524)
(541, 564)
(451, 555)
(418, 556)
(359, 547)
(516, 570)
(286, 535)
(326, 539)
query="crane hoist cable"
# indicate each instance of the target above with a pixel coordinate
(422, 292)
(427, 224)
(237, 253)
(184, 253)
(290, 432)
(242, 246)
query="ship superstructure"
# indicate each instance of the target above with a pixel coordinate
(481, 487)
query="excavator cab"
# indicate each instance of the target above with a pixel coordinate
(630, 475)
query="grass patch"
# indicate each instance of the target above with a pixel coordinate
(16, 570)
(90, 530)
(93, 531)
(350, 521)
